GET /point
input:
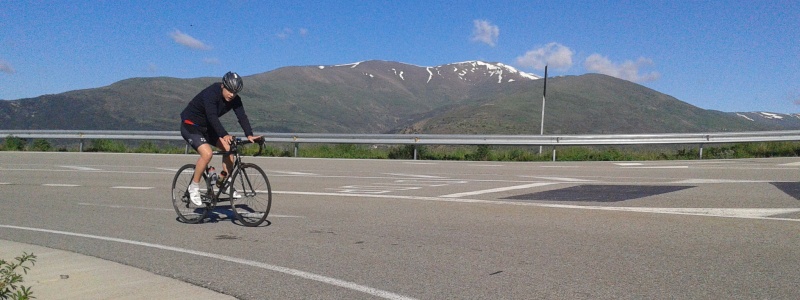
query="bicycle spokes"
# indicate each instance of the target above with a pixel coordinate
(253, 207)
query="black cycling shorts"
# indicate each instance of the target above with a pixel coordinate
(197, 135)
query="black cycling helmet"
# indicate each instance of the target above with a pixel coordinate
(232, 82)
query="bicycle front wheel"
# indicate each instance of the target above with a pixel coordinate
(187, 211)
(252, 185)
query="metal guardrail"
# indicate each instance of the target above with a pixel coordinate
(437, 139)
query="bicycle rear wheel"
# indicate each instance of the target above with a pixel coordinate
(187, 211)
(256, 195)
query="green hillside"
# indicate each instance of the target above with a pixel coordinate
(382, 97)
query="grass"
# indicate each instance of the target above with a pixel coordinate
(432, 152)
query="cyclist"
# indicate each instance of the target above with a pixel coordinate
(201, 128)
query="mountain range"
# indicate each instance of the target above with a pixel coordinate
(472, 97)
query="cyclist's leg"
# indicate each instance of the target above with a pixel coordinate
(197, 137)
(206, 153)
(227, 166)
(227, 160)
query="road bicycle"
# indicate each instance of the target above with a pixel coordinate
(245, 179)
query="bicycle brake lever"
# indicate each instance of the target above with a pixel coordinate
(260, 147)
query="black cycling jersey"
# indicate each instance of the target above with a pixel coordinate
(206, 108)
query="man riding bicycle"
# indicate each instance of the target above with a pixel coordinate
(200, 126)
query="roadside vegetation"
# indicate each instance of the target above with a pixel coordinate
(429, 152)
(11, 279)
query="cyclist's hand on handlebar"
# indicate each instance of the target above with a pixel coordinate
(254, 139)
(227, 139)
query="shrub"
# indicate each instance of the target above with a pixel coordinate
(147, 147)
(13, 143)
(107, 146)
(10, 278)
(483, 152)
(407, 152)
(41, 145)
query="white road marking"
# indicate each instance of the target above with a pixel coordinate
(420, 163)
(61, 184)
(742, 213)
(433, 182)
(168, 209)
(388, 187)
(97, 171)
(628, 164)
(397, 185)
(5, 183)
(698, 180)
(293, 272)
(560, 166)
(429, 183)
(658, 167)
(721, 212)
(79, 168)
(133, 187)
(372, 189)
(125, 206)
(495, 190)
(414, 175)
(293, 173)
(565, 179)
(790, 164)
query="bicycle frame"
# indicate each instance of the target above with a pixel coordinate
(237, 165)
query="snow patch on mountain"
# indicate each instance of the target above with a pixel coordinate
(400, 74)
(430, 74)
(468, 71)
(788, 121)
(744, 116)
(770, 115)
(492, 69)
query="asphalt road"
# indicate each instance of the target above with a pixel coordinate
(364, 229)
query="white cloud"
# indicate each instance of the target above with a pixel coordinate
(5, 67)
(485, 32)
(188, 41)
(152, 68)
(553, 54)
(628, 70)
(285, 33)
(211, 60)
(289, 32)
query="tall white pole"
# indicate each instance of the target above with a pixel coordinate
(544, 95)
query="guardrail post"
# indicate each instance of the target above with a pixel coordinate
(554, 153)
(80, 148)
(701, 151)
(186, 149)
(416, 140)
(296, 145)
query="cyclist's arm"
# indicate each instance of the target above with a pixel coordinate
(238, 109)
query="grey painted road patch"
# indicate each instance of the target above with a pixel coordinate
(790, 188)
(600, 193)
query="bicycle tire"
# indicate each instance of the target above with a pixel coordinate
(253, 185)
(186, 210)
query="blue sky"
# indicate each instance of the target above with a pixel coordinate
(722, 55)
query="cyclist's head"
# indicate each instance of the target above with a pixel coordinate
(232, 82)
